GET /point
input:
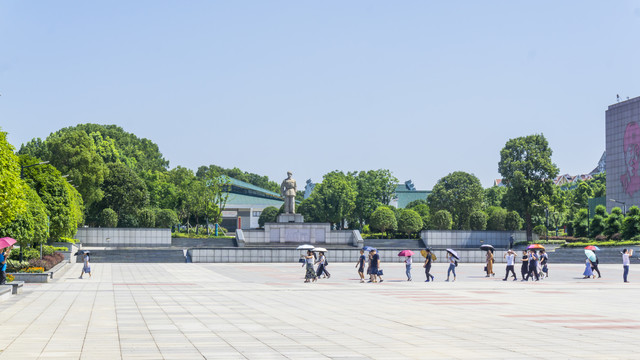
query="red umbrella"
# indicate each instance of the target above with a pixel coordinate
(535, 246)
(592, 248)
(6, 242)
(405, 253)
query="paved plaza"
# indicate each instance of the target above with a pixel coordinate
(265, 311)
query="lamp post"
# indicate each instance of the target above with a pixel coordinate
(22, 167)
(624, 205)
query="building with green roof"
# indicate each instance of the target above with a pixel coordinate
(406, 193)
(245, 204)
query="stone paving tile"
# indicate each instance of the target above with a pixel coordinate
(264, 311)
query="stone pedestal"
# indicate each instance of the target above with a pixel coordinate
(290, 218)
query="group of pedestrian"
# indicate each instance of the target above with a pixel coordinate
(534, 265)
(312, 272)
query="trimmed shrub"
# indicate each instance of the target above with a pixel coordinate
(108, 218)
(478, 220)
(540, 230)
(601, 238)
(616, 236)
(166, 218)
(146, 218)
(268, 215)
(441, 220)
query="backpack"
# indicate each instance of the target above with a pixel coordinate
(326, 263)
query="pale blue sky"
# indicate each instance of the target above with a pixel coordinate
(420, 88)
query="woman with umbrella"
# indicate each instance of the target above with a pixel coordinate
(4, 255)
(453, 262)
(310, 273)
(587, 270)
(322, 264)
(408, 261)
(489, 266)
(594, 264)
(86, 267)
(427, 264)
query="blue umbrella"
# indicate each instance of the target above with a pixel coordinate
(369, 248)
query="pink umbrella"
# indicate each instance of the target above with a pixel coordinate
(405, 253)
(6, 242)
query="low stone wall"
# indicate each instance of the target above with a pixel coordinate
(303, 233)
(471, 239)
(31, 278)
(275, 255)
(147, 237)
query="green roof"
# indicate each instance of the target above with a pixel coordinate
(241, 199)
(249, 189)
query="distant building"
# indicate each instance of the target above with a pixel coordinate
(245, 204)
(406, 193)
(623, 153)
(571, 179)
(602, 165)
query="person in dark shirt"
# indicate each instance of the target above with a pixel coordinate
(427, 266)
(360, 265)
(373, 266)
(524, 269)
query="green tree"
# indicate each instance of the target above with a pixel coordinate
(166, 218)
(12, 197)
(30, 225)
(146, 218)
(580, 223)
(423, 210)
(493, 196)
(125, 193)
(631, 223)
(373, 188)
(74, 153)
(63, 202)
(526, 167)
(478, 220)
(441, 220)
(513, 221)
(459, 193)
(598, 223)
(409, 222)
(556, 219)
(383, 219)
(108, 218)
(496, 218)
(268, 215)
(415, 203)
(613, 223)
(333, 200)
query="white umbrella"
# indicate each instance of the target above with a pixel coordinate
(319, 249)
(305, 247)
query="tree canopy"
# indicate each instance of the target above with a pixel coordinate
(526, 167)
(459, 193)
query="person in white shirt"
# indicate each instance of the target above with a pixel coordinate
(408, 262)
(625, 263)
(511, 258)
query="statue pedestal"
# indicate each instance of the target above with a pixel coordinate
(290, 218)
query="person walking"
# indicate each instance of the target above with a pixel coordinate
(427, 265)
(310, 274)
(594, 266)
(544, 259)
(360, 265)
(86, 267)
(533, 265)
(489, 267)
(524, 268)
(452, 266)
(625, 263)
(510, 256)
(4, 255)
(374, 262)
(322, 263)
(587, 270)
(407, 262)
